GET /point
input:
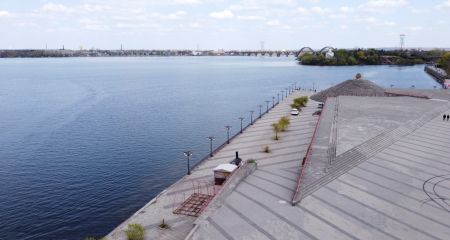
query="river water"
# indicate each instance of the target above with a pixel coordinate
(85, 142)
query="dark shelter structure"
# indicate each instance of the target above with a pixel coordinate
(353, 87)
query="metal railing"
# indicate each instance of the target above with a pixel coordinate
(305, 160)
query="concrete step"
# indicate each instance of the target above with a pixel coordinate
(353, 157)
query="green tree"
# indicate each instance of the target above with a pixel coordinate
(284, 123)
(444, 62)
(276, 129)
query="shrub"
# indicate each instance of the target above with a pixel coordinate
(300, 102)
(251, 161)
(266, 149)
(164, 225)
(135, 232)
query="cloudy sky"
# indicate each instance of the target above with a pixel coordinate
(216, 24)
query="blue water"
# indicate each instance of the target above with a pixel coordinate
(85, 142)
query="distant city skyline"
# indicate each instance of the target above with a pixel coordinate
(220, 24)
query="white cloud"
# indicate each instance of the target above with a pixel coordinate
(185, 1)
(250, 18)
(344, 26)
(320, 10)
(346, 9)
(415, 28)
(222, 15)
(176, 15)
(56, 8)
(273, 23)
(4, 14)
(443, 5)
(386, 3)
(302, 10)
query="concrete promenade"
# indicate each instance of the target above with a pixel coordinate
(277, 173)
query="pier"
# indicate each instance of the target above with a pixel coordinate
(438, 74)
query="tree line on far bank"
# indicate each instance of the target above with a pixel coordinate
(444, 63)
(344, 57)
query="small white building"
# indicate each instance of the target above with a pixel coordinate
(329, 54)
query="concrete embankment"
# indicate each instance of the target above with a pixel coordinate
(250, 144)
(439, 74)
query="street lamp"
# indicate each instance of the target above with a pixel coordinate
(211, 139)
(267, 106)
(392, 85)
(273, 101)
(188, 154)
(260, 107)
(242, 119)
(251, 117)
(286, 91)
(282, 95)
(228, 133)
(278, 97)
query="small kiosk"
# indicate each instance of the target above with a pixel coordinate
(222, 171)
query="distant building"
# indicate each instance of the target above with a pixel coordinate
(329, 54)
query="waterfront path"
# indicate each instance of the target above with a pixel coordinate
(276, 173)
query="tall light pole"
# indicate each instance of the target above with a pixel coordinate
(228, 133)
(273, 101)
(188, 154)
(242, 119)
(282, 95)
(314, 86)
(267, 106)
(260, 107)
(211, 139)
(286, 91)
(251, 117)
(278, 97)
(392, 85)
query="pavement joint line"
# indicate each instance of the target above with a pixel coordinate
(219, 229)
(383, 214)
(402, 173)
(273, 182)
(354, 217)
(411, 138)
(420, 163)
(413, 168)
(420, 142)
(309, 235)
(274, 174)
(249, 221)
(395, 204)
(327, 222)
(417, 150)
(392, 190)
(413, 155)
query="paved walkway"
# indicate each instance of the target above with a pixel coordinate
(278, 168)
(259, 206)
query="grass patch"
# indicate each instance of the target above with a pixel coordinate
(251, 161)
(135, 232)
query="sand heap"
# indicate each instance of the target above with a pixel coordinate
(354, 87)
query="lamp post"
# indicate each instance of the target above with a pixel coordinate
(188, 154)
(273, 101)
(251, 117)
(282, 95)
(267, 106)
(392, 85)
(242, 119)
(228, 133)
(211, 139)
(260, 107)
(278, 97)
(286, 91)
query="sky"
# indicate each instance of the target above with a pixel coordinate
(222, 24)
